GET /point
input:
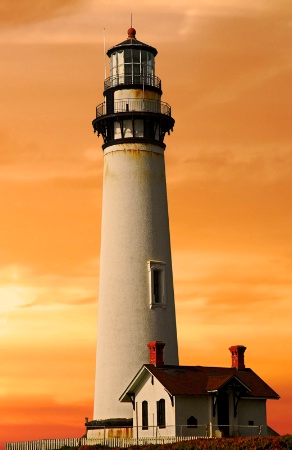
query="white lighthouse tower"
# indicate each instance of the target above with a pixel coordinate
(136, 299)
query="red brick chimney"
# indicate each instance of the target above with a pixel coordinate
(156, 353)
(237, 356)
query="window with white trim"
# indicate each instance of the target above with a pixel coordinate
(156, 271)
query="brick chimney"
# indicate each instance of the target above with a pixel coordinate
(237, 356)
(156, 353)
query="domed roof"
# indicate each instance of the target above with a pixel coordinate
(131, 33)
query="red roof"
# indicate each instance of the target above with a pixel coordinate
(198, 380)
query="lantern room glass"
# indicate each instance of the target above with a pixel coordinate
(131, 66)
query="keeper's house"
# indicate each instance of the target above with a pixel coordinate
(170, 400)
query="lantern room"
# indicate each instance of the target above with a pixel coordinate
(132, 62)
(132, 110)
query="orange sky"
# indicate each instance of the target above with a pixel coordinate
(226, 70)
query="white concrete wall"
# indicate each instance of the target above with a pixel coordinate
(152, 393)
(135, 229)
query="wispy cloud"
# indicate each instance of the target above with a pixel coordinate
(28, 11)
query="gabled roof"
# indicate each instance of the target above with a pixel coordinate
(198, 380)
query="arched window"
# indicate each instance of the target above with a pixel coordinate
(192, 422)
(161, 413)
(144, 415)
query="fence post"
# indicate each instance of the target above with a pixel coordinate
(137, 431)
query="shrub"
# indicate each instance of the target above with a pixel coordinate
(286, 441)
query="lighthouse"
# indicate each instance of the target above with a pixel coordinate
(136, 298)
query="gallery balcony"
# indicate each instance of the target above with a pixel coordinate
(146, 80)
(133, 105)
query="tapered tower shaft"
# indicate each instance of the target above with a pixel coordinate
(136, 299)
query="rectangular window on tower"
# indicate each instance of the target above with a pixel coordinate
(156, 270)
(120, 67)
(138, 128)
(157, 285)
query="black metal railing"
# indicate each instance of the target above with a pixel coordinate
(147, 80)
(132, 105)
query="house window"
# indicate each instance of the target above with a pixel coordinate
(251, 422)
(192, 422)
(144, 415)
(161, 413)
(156, 271)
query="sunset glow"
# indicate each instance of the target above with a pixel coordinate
(226, 70)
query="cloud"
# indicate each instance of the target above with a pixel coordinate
(46, 241)
(261, 164)
(51, 298)
(38, 406)
(49, 418)
(28, 11)
(240, 58)
(203, 12)
(216, 287)
(31, 162)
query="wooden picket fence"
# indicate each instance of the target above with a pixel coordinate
(205, 431)
(55, 444)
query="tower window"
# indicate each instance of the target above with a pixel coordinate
(156, 271)
(161, 413)
(157, 285)
(117, 130)
(127, 128)
(138, 128)
(144, 415)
